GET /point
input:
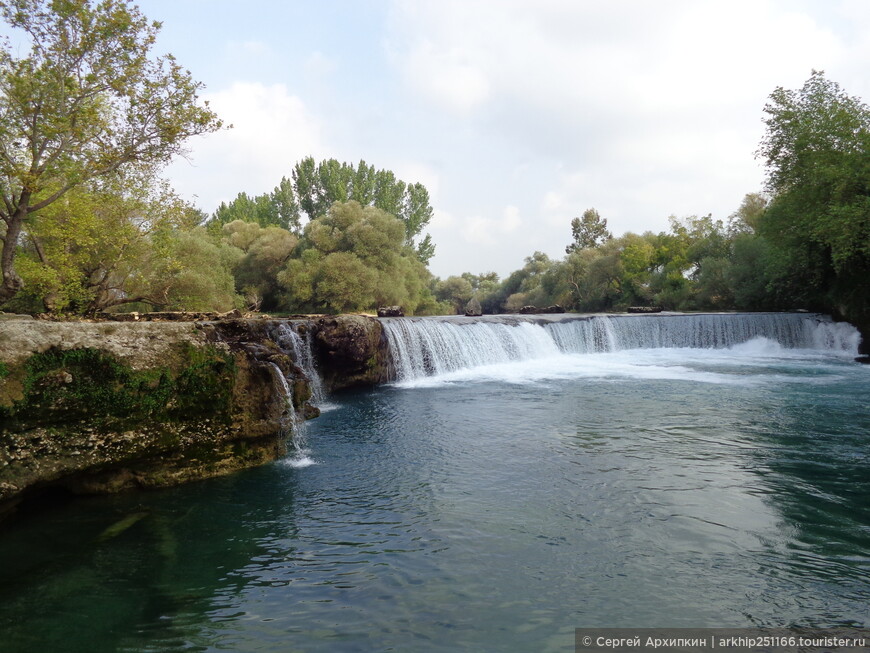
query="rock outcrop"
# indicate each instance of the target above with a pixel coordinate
(351, 351)
(93, 407)
(391, 311)
(534, 310)
(473, 308)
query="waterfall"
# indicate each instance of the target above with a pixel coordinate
(431, 346)
(290, 422)
(301, 351)
(286, 335)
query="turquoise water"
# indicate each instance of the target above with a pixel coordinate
(490, 509)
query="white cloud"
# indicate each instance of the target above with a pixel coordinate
(247, 51)
(641, 110)
(447, 75)
(488, 231)
(272, 129)
(319, 65)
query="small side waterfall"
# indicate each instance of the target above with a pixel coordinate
(430, 346)
(299, 348)
(301, 351)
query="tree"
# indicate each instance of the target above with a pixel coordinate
(456, 290)
(353, 258)
(319, 185)
(745, 220)
(278, 208)
(589, 230)
(86, 101)
(86, 251)
(266, 251)
(816, 150)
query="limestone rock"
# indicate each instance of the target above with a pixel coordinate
(351, 350)
(391, 311)
(472, 308)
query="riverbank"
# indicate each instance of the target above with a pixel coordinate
(91, 407)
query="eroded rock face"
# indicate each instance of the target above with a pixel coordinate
(352, 351)
(94, 407)
(100, 407)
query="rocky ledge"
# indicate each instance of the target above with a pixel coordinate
(96, 407)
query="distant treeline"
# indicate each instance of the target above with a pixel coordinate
(89, 118)
(804, 242)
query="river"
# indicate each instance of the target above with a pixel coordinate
(490, 505)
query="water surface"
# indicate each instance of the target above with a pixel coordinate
(488, 509)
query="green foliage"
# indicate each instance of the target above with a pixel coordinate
(279, 208)
(748, 274)
(319, 185)
(748, 217)
(190, 272)
(455, 290)
(589, 230)
(817, 152)
(62, 386)
(265, 250)
(86, 101)
(354, 258)
(120, 239)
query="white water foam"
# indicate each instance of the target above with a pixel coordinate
(430, 351)
(299, 460)
(301, 351)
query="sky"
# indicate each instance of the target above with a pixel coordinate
(517, 115)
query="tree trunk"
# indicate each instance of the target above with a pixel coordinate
(12, 283)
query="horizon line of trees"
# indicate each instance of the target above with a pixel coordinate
(89, 118)
(801, 243)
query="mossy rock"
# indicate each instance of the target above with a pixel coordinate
(67, 386)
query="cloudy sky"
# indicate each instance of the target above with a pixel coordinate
(517, 115)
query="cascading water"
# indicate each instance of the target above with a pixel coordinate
(292, 425)
(432, 346)
(300, 351)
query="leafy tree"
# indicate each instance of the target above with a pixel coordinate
(817, 152)
(748, 276)
(746, 219)
(456, 290)
(589, 230)
(523, 287)
(265, 252)
(278, 208)
(353, 258)
(319, 185)
(86, 101)
(87, 251)
(190, 272)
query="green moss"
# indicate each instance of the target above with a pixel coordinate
(4, 370)
(62, 386)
